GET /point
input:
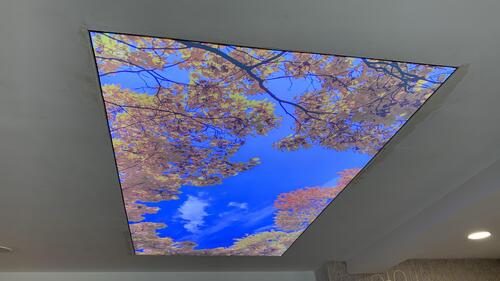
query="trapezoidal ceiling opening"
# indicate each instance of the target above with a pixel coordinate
(230, 150)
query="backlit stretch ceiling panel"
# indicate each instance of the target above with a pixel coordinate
(228, 150)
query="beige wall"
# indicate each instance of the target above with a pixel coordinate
(419, 270)
(157, 276)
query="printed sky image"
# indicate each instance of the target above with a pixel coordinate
(225, 150)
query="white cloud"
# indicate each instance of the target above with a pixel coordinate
(247, 219)
(193, 212)
(242, 205)
(259, 215)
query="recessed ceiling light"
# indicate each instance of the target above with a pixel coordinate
(479, 235)
(5, 250)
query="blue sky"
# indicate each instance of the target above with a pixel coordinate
(214, 216)
(244, 204)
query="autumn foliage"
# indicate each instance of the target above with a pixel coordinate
(298, 208)
(185, 131)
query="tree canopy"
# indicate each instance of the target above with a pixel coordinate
(186, 131)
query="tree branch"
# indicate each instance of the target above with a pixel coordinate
(267, 60)
(260, 81)
(404, 76)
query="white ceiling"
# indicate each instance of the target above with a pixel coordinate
(60, 204)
